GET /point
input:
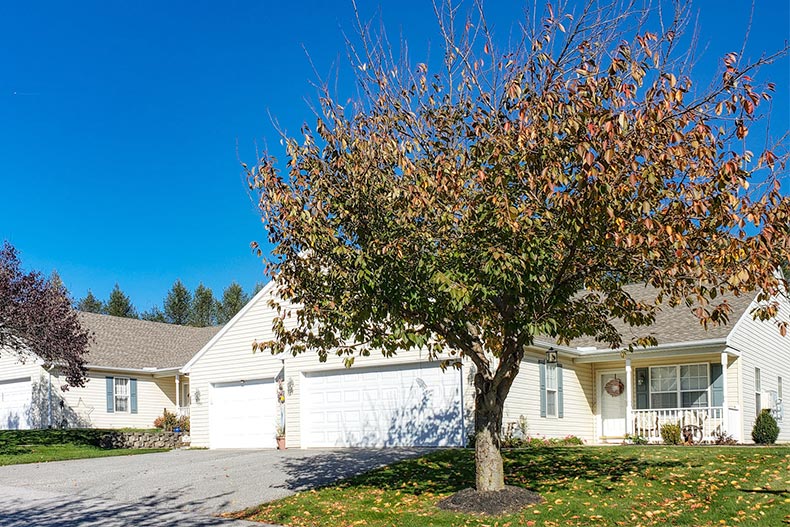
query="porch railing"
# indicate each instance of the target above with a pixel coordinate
(183, 411)
(704, 423)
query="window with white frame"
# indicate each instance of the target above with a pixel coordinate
(684, 386)
(551, 390)
(663, 387)
(121, 394)
(694, 386)
(758, 399)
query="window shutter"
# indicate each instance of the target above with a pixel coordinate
(542, 369)
(133, 395)
(560, 410)
(716, 384)
(643, 391)
(110, 394)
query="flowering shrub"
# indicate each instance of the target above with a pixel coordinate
(169, 420)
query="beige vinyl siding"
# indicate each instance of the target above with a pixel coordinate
(296, 367)
(230, 358)
(87, 406)
(762, 346)
(524, 399)
(11, 367)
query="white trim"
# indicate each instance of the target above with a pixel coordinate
(263, 292)
(128, 395)
(666, 350)
(629, 405)
(165, 372)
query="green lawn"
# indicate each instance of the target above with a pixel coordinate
(38, 453)
(628, 486)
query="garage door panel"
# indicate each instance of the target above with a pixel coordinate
(396, 406)
(242, 415)
(15, 401)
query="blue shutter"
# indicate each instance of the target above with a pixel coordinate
(560, 410)
(110, 394)
(716, 385)
(642, 390)
(133, 395)
(542, 369)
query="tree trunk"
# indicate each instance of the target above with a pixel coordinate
(489, 469)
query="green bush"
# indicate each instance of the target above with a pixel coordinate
(635, 439)
(765, 431)
(670, 434)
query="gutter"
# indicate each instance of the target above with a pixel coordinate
(596, 355)
(145, 370)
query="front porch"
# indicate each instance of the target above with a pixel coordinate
(639, 394)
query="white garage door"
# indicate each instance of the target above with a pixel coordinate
(15, 398)
(242, 414)
(393, 406)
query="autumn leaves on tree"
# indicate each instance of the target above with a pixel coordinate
(509, 192)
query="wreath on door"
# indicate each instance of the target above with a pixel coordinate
(614, 387)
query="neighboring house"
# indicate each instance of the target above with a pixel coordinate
(716, 380)
(133, 375)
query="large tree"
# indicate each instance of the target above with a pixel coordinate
(512, 192)
(90, 304)
(37, 319)
(233, 299)
(178, 304)
(204, 307)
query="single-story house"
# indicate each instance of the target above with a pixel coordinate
(133, 375)
(713, 381)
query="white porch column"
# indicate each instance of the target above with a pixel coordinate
(628, 397)
(178, 393)
(725, 425)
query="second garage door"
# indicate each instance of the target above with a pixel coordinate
(15, 397)
(242, 414)
(406, 405)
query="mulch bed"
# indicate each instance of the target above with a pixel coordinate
(494, 503)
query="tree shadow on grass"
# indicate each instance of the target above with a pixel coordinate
(449, 471)
(22, 508)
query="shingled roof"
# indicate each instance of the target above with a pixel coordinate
(673, 324)
(137, 344)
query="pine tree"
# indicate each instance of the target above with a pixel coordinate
(154, 315)
(204, 307)
(91, 304)
(257, 288)
(119, 304)
(233, 299)
(178, 304)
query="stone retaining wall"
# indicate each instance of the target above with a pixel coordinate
(143, 440)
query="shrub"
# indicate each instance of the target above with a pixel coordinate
(169, 421)
(723, 438)
(670, 434)
(765, 431)
(635, 439)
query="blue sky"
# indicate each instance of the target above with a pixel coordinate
(122, 123)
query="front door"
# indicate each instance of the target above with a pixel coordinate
(612, 406)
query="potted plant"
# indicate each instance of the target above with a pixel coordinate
(280, 429)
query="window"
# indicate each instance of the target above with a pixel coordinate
(551, 390)
(664, 387)
(121, 394)
(683, 386)
(758, 402)
(694, 386)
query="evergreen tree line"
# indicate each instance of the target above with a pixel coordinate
(198, 308)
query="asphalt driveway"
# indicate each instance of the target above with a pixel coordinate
(189, 485)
